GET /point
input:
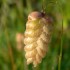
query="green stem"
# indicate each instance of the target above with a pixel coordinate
(60, 56)
(43, 6)
(4, 13)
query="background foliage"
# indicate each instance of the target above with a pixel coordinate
(13, 17)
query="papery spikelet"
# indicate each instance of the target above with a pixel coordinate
(37, 37)
(19, 41)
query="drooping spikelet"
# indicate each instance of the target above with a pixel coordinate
(19, 41)
(37, 37)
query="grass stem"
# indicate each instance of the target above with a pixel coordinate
(60, 56)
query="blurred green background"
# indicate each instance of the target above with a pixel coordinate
(13, 18)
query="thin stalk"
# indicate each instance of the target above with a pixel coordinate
(4, 13)
(61, 47)
(10, 49)
(43, 6)
(60, 56)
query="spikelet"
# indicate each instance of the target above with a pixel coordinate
(37, 37)
(19, 41)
